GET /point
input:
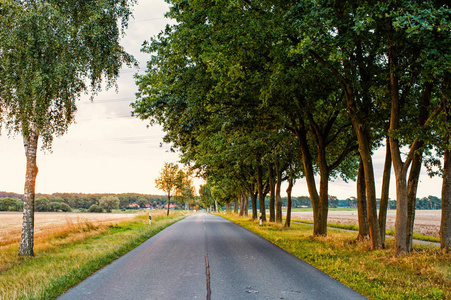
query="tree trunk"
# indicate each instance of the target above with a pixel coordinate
(229, 207)
(309, 176)
(365, 154)
(362, 211)
(261, 198)
(364, 142)
(27, 238)
(254, 206)
(278, 197)
(169, 202)
(272, 196)
(321, 229)
(383, 205)
(242, 203)
(412, 186)
(246, 205)
(235, 207)
(445, 226)
(290, 187)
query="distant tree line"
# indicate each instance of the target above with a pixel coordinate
(84, 202)
(429, 202)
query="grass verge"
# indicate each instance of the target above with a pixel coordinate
(424, 274)
(72, 254)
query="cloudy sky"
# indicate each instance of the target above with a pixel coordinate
(108, 151)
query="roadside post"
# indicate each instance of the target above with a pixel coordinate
(260, 219)
(150, 219)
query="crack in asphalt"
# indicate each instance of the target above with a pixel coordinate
(207, 274)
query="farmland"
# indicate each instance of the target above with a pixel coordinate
(50, 222)
(427, 222)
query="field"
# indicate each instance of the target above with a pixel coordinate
(427, 222)
(49, 222)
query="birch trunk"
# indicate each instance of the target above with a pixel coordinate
(27, 238)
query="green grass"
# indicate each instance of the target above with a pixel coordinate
(423, 274)
(64, 260)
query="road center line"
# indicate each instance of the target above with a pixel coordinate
(207, 274)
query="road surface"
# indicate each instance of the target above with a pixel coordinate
(207, 256)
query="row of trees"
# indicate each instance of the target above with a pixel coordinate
(254, 93)
(51, 52)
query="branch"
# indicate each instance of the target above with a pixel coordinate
(334, 71)
(348, 149)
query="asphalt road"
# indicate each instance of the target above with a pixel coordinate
(206, 256)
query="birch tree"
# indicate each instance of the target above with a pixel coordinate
(50, 52)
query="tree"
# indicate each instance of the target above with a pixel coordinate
(206, 198)
(109, 203)
(42, 204)
(49, 50)
(170, 180)
(95, 209)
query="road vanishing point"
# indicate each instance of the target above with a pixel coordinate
(207, 257)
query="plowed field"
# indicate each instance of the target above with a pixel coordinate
(427, 222)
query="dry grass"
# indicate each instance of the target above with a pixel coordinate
(48, 223)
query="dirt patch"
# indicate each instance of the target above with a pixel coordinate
(11, 222)
(427, 222)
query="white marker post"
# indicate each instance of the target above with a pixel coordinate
(150, 219)
(260, 219)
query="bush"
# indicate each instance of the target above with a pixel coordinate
(54, 206)
(95, 208)
(65, 207)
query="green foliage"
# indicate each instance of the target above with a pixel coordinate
(65, 208)
(49, 51)
(10, 204)
(95, 209)
(42, 203)
(109, 203)
(170, 180)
